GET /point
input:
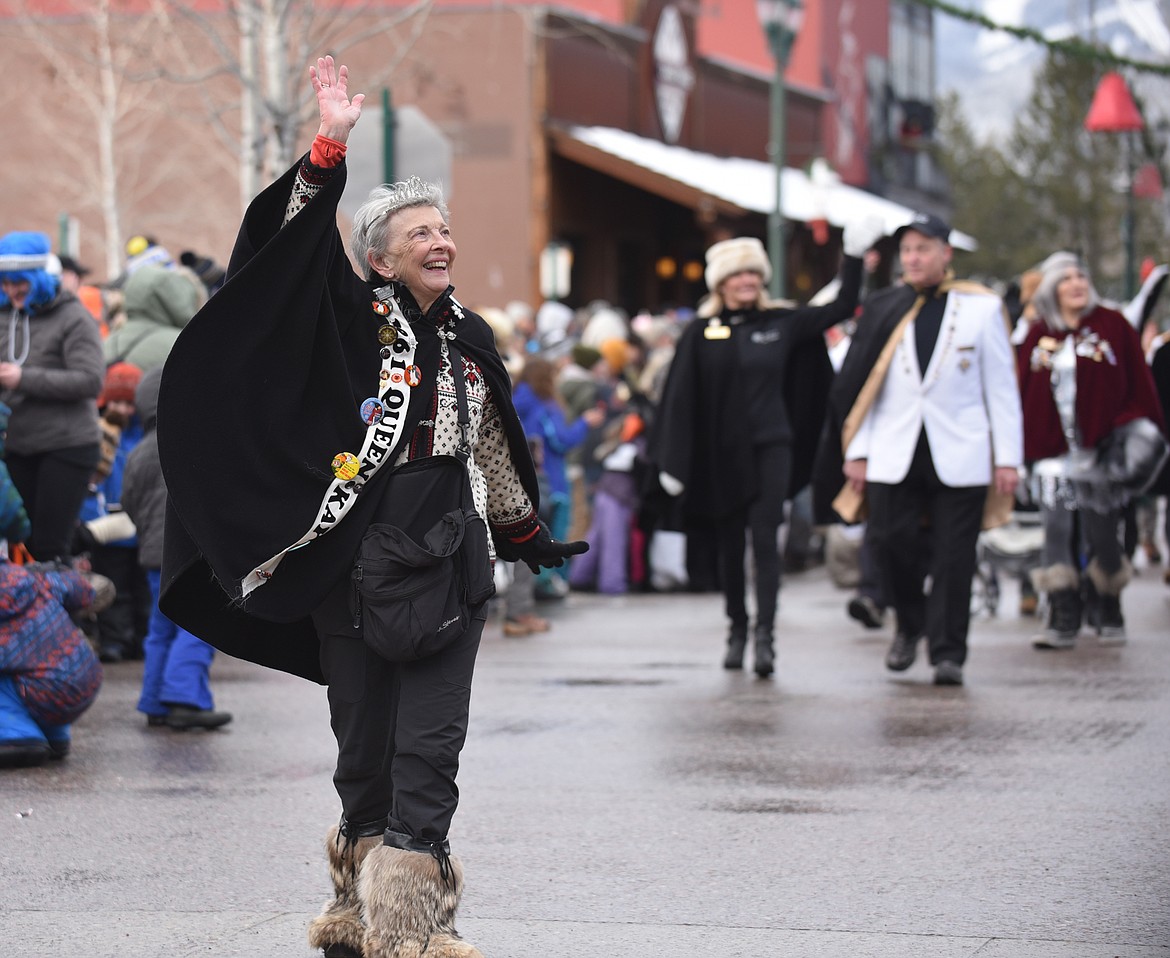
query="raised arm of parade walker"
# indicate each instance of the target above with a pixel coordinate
(339, 113)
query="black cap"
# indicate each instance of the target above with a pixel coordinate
(70, 264)
(928, 225)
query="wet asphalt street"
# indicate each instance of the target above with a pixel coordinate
(624, 796)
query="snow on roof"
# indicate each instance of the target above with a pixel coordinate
(751, 184)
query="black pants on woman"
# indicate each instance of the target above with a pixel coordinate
(762, 519)
(53, 486)
(400, 726)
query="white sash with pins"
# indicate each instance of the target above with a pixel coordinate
(381, 438)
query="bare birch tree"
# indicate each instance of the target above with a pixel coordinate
(265, 45)
(89, 63)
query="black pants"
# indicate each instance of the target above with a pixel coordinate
(762, 518)
(399, 727)
(53, 486)
(123, 625)
(954, 516)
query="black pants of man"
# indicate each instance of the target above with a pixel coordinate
(400, 727)
(954, 516)
(53, 486)
(763, 518)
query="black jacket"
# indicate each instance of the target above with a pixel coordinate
(882, 312)
(701, 433)
(259, 393)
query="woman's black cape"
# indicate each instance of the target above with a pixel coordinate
(260, 391)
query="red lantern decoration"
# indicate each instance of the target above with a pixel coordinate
(1113, 109)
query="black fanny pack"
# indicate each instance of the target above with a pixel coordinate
(423, 566)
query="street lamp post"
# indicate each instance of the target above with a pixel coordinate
(781, 20)
(1113, 111)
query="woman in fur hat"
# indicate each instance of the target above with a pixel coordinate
(1082, 377)
(741, 415)
(51, 372)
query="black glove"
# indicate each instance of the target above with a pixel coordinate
(539, 550)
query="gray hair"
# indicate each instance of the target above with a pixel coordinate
(1052, 271)
(371, 223)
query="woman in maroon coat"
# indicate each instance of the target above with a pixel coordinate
(1082, 376)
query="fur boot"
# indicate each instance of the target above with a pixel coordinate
(408, 905)
(1055, 578)
(1110, 584)
(339, 926)
(1110, 621)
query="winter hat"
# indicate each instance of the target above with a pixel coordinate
(122, 381)
(552, 317)
(616, 353)
(25, 257)
(605, 323)
(143, 250)
(586, 356)
(731, 256)
(1052, 271)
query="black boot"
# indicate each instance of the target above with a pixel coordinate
(736, 643)
(1064, 620)
(765, 657)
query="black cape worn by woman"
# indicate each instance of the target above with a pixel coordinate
(260, 392)
(706, 443)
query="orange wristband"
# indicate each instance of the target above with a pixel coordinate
(326, 152)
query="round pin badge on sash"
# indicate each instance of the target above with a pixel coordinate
(387, 334)
(382, 309)
(413, 376)
(345, 466)
(373, 411)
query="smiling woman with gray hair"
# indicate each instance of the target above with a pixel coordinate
(1083, 381)
(335, 382)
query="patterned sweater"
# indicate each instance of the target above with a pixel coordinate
(55, 670)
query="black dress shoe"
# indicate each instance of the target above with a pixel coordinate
(865, 610)
(903, 651)
(948, 673)
(184, 717)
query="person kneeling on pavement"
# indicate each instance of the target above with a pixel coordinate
(49, 673)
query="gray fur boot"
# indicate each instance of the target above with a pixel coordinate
(338, 930)
(1055, 578)
(408, 904)
(1110, 621)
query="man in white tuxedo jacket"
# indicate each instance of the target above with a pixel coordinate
(943, 425)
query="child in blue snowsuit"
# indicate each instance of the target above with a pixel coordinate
(176, 687)
(49, 673)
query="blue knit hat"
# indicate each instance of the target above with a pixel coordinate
(26, 257)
